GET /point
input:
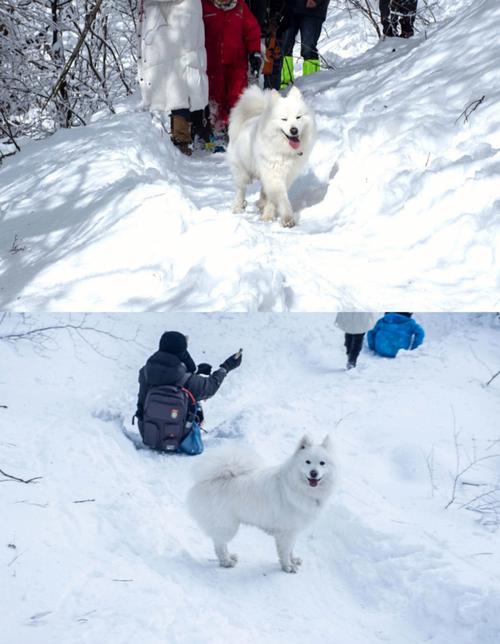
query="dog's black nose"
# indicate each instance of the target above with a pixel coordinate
(314, 474)
(294, 131)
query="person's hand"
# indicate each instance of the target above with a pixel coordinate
(232, 362)
(255, 61)
(311, 4)
(204, 369)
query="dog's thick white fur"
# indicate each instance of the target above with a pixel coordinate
(270, 139)
(232, 488)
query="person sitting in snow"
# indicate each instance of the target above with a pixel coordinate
(306, 16)
(398, 14)
(232, 40)
(172, 67)
(173, 365)
(393, 332)
(354, 325)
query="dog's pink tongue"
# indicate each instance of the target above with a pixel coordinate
(313, 482)
(294, 142)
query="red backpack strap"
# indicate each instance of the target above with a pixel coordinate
(189, 394)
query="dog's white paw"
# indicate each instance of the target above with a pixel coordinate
(239, 206)
(296, 561)
(230, 562)
(288, 221)
(290, 567)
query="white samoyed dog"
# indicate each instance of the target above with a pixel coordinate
(232, 488)
(270, 139)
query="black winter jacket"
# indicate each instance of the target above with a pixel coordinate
(299, 6)
(166, 369)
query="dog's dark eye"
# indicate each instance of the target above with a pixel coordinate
(284, 119)
(322, 462)
(308, 462)
(298, 117)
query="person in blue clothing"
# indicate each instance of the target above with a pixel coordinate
(393, 332)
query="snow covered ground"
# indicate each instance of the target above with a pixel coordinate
(399, 206)
(101, 548)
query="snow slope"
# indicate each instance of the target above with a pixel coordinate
(399, 207)
(101, 548)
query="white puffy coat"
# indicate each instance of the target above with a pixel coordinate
(173, 60)
(355, 322)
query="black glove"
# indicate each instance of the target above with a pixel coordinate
(255, 61)
(232, 362)
(204, 369)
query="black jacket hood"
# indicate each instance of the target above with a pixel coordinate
(165, 369)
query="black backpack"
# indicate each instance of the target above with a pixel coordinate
(169, 412)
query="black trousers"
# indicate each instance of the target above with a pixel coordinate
(353, 344)
(395, 13)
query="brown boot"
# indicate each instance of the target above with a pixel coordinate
(180, 133)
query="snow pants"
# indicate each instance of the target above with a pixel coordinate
(395, 14)
(225, 86)
(310, 31)
(353, 344)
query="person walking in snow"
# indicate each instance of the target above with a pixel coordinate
(393, 332)
(306, 17)
(173, 365)
(397, 17)
(354, 325)
(272, 18)
(232, 40)
(172, 67)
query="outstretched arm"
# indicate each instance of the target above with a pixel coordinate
(202, 387)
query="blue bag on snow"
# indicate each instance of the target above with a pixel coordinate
(192, 444)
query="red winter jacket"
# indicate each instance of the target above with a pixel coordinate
(230, 36)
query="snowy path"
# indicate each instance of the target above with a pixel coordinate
(385, 563)
(399, 207)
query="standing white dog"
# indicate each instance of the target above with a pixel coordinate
(231, 489)
(270, 139)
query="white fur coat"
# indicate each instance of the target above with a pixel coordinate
(173, 61)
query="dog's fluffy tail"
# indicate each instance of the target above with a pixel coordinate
(252, 102)
(224, 464)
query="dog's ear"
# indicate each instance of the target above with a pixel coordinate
(305, 441)
(294, 92)
(275, 95)
(327, 443)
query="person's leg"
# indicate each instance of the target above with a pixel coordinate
(355, 349)
(180, 130)
(347, 342)
(237, 82)
(310, 31)
(407, 10)
(385, 18)
(287, 75)
(216, 93)
(200, 120)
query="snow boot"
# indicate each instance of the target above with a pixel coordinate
(180, 133)
(310, 66)
(406, 23)
(287, 74)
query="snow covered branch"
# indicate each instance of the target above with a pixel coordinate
(16, 478)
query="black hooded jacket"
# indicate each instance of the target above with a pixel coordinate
(167, 369)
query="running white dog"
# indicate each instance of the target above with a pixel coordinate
(270, 139)
(232, 488)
